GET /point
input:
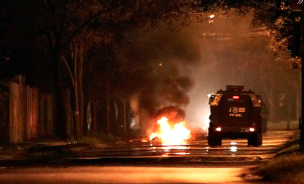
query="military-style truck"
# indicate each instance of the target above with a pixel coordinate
(235, 114)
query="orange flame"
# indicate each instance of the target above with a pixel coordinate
(178, 135)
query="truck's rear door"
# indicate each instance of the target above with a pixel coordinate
(235, 110)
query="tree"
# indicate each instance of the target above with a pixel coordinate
(56, 32)
(51, 26)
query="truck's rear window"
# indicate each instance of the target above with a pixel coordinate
(237, 100)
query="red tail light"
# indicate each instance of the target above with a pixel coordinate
(235, 97)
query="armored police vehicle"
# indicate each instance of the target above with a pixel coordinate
(235, 114)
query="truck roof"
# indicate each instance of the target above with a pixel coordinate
(237, 92)
(234, 88)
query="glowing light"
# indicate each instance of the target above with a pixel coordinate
(233, 143)
(233, 149)
(204, 128)
(211, 16)
(182, 153)
(218, 129)
(207, 121)
(236, 97)
(251, 129)
(178, 135)
(209, 95)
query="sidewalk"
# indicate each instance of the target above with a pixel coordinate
(43, 150)
(286, 167)
(282, 125)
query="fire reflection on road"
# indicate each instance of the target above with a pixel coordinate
(233, 148)
(172, 150)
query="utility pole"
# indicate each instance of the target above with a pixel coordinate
(297, 8)
(301, 55)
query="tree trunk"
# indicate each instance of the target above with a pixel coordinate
(108, 104)
(69, 115)
(50, 114)
(271, 103)
(78, 89)
(299, 98)
(60, 111)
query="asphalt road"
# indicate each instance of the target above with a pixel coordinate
(195, 151)
(143, 163)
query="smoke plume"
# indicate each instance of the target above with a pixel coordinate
(155, 71)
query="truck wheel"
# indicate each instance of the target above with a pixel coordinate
(255, 139)
(214, 140)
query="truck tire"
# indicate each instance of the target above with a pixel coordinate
(255, 139)
(214, 140)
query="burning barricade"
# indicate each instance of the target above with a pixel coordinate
(170, 128)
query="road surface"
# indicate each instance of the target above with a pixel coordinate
(142, 163)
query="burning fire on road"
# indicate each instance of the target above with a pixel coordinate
(169, 130)
(168, 135)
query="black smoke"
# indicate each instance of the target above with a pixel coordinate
(174, 114)
(155, 69)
